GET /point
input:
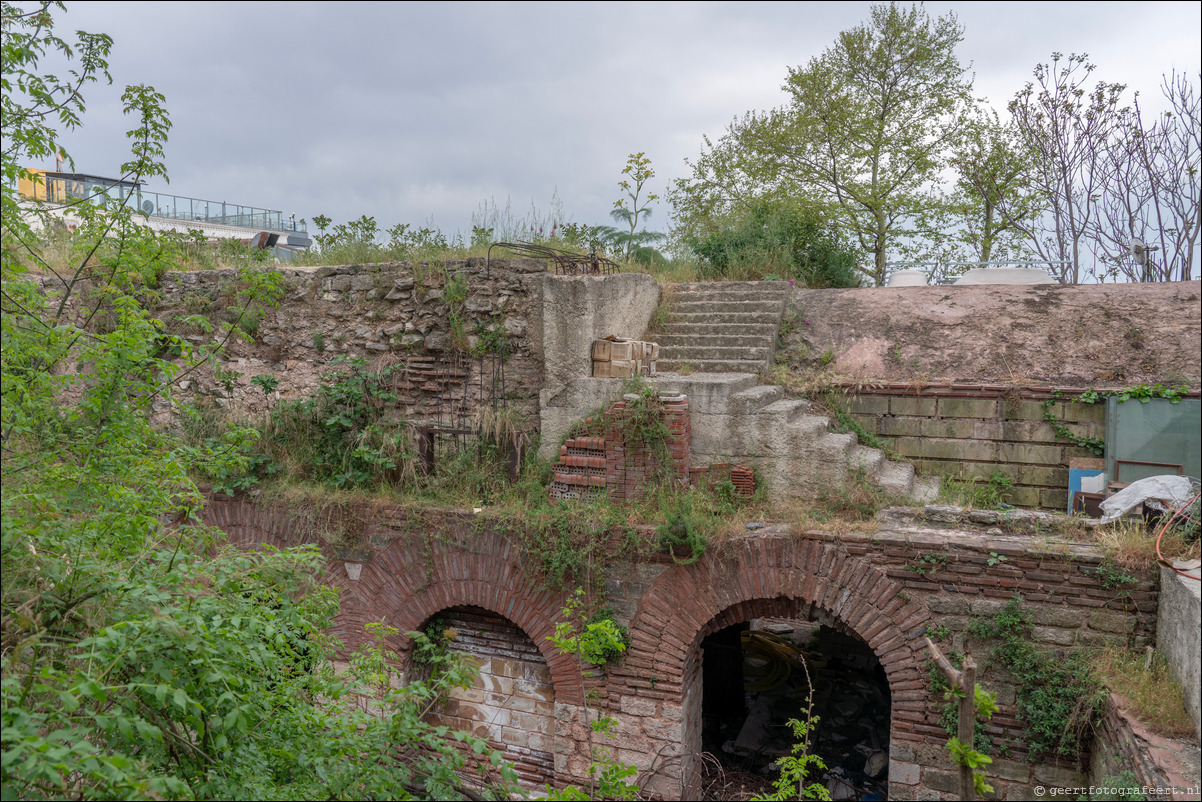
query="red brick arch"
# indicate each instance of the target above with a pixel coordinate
(410, 577)
(684, 605)
(777, 577)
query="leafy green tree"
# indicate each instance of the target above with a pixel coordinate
(865, 133)
(140, 657)
(991, 163)
(777, 239)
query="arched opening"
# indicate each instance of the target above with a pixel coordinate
(757, 673)
(512, 701)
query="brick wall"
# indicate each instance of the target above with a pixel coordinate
(876, 586)
(620, 465)
(969, 432)
(512, 701)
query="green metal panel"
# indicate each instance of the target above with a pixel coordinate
(1155, 431)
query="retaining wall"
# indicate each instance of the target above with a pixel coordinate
(972, 432)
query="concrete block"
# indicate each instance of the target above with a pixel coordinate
(899, 427)
(1054, 635)
(947, 781)
(1059, 777)
(948, 605)
(1029, 431)
(932, 448)
(956, 427)
(1105, 621)
(1025, 452)
(1029, 410)
(1179, 636)
(1085, 413)
(634, 706)
(904, 773)
(1024, 496)
(871, 423)
(1057, 616)
(867, 405)
(1053, 499)
(968, 408)
(921, 407)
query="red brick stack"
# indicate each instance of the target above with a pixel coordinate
(590, 464)
(714, 474)
(581, 468)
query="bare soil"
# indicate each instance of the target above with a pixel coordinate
(1112, 334)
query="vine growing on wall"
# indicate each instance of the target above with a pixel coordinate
(1140, 392)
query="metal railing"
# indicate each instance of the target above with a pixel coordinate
(172, 207)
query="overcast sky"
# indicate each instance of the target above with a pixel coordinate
(413, 112)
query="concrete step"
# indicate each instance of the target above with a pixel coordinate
(780, 288)
(868, 460)
(769, 307)
(716, 340)
(711, 365)
(755, 398)
(729, 318)
(709, 393)
(896, 478)
(791, 412)
(710, 352)
(688, 328)
(926, 489)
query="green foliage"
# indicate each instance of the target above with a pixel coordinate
(849, 424)
(928, 565)
(595, 640)
(796, 768)
(140, 656)
(1116, 788)
(777, 238)
(865, 132)
(1058, 696)
(938, 632)
(1111, 576)
(630, 211)
(1140, 392)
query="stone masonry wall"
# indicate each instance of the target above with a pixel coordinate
(512, 700)
(392, 314)
(973, 431)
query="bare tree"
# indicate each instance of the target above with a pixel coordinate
(1067, 130)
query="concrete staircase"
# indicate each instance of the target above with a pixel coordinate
(736, 419)
(722, 327)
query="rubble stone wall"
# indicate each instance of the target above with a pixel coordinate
(392, 314)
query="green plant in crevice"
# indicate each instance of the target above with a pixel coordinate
(849, 424)
(594, 640)
(1111, 576)
(1140, 392)
(928, 565)
(1059, 697)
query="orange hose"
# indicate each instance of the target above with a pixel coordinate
(1179, 512)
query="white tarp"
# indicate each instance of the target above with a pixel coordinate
(1170, 491)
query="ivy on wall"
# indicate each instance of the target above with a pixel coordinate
(1096, 445)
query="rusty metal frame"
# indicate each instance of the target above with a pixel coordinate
(567, 263)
